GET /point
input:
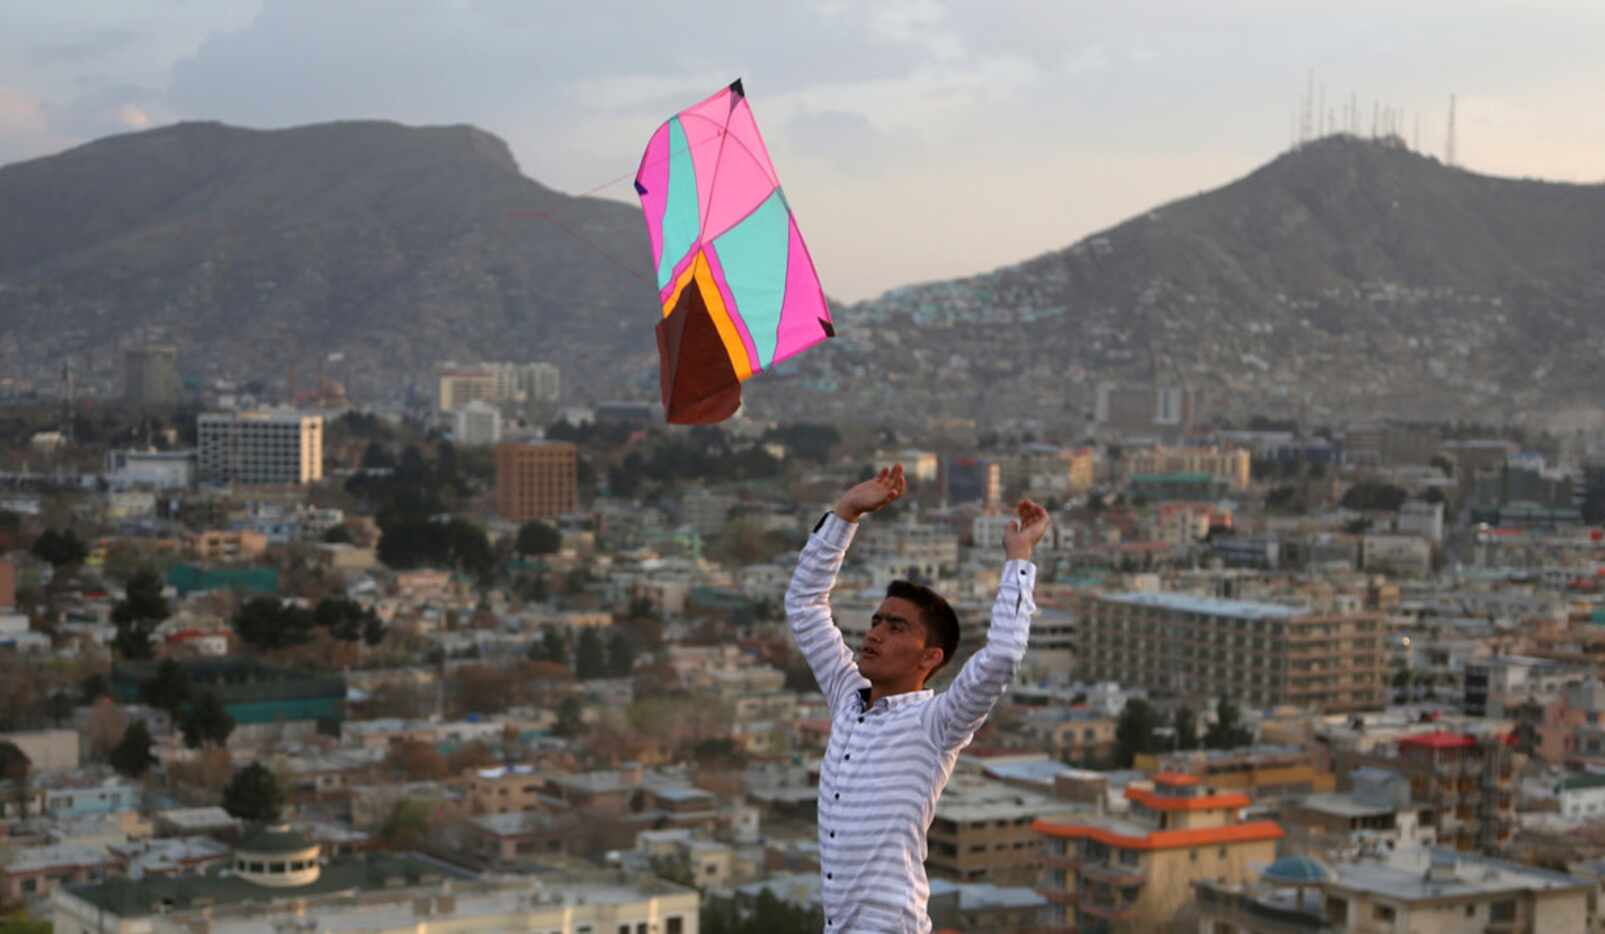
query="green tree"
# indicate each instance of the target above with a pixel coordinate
(339, 535)
(169, 690)
(346, 619)
(621, 652)
(60, 548)
(590, 657)
(1186, 723)
(206, 721)
(408, 826)
(1228, 731)
(569, 724)
(267, 623)
(253, 794)
(137, 615)
(1134, 732)
(132, 756)
(539, 538)
(551, 647)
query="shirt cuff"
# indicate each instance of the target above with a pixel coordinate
(1021, 573)
(835, 531)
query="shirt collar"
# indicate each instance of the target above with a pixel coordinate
(894, 701)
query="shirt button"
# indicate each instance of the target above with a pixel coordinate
(833, 834)
(848, 756)
(860, 719)
(829, 876)
(838, 796)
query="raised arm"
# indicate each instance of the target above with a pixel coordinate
(808, 597)
(961, 709)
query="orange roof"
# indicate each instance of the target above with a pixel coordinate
(1442, 739)
(1158, 802)
(1175, 778)
(1251, 832)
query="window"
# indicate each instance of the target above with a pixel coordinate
(674, 925)
(1382, 912)
(624, 929)
(1502, 910)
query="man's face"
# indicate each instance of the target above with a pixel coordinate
(895, 645)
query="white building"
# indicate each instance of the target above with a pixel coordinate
(264, 447)
(158, 470)
(1418, 517)
(1582, 796)
(477, 423)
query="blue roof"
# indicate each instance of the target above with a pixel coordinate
(1208, 606)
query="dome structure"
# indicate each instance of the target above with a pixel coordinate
(1295, 870)
(278, 857)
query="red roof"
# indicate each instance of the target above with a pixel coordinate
(1252, 832)
(1175, 778)
(1442, 739)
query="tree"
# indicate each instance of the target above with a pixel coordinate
(1186, 728)
(347, 620)
(132, 756)
(61, 706)
(539, 538)
(266, 623)
(1374, 497)
(408, 827)
(170, 690)
(1134, 732)
(207, 721)
(105, 727)
(339, 535)
(60, 548)
(253, 794)
(1228, 731)
(474, 755)
(137, 615)
(569, 723)
(621, 654)
(590, 659)
(418, 760)
(552, 647)
(16, 767)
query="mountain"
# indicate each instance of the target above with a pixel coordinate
(1347, 277)
(258, 251)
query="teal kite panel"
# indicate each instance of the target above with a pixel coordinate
(681, 225)
(753, 257)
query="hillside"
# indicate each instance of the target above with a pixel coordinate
(257, 250)
(1348, 277)
(1345, 277)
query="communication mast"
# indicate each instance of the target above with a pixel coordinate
(1449, 146)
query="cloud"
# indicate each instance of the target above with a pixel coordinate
(94, 45)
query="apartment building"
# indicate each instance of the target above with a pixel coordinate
(1464, 784)
(260, 448)
(536, 480)
(1229, 465)
(1259, 654)
(1135, 871)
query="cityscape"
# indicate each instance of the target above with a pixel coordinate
(459, 474)
(514, 662)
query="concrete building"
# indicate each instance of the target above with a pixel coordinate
(458, 387)
(1462, 783)
(150, 376)
(280, 880)
(1228, 465)
(46, 749)
(536, 480)
(261, 448)
(1377, 809)
(1260, 654)
(157, 470)
(1135, 871)
(971, 480)
(1496, 684)
(1407, 889)
(477, 423)
(1419, 517)
(1152, 408)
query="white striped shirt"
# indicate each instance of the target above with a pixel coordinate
(886, 765)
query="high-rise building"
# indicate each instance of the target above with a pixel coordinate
(150, 376)
(458, 387)
(499, 383)
(260, 448)
(971, 480)
(1146, 408)
(536, 479)
(1135, 871)
(477, 423)
(1259, 654)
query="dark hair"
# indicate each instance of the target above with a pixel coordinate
(941, 623)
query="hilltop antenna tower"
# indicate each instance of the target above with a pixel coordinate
(1449, 145)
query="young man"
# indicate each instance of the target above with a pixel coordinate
(893, 743)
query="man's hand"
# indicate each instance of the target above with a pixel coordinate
(1027, 528)
(879, 490)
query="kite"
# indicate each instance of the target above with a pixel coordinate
(738, 288)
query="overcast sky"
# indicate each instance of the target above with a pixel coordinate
(916, 139)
